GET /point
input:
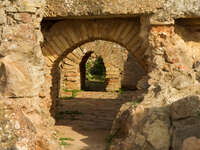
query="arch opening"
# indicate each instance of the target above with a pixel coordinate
(93, 77)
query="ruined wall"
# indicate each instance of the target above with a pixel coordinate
(86, 8)
(167, 115)
(22, 75)
(161, 11)
(166, 49)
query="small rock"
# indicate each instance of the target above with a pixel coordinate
(181, 82)
(17, 125)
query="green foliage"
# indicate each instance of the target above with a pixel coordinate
(63, 141)
(74, 93)
(98, 67)
(136, 102)
(110, 137)
(66, 97)
(66, 139)
(121, 90)
(95, 69)
(198, 113)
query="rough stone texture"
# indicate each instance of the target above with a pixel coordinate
(191, 143)
(21, 23)
(66, 8)
(17, 132)
(21, 72)
(185, 119)
(163, 11)
(173, 56)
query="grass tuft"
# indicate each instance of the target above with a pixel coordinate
(63, 141)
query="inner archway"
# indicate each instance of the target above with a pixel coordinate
(122, 70)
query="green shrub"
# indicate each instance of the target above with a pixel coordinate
(95, 69)
(74, 93)
(63, 141)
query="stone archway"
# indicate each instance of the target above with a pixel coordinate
(115, 58)
(62, 37)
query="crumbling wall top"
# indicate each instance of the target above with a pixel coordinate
(162, 9)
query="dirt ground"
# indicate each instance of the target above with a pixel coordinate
(84, 122)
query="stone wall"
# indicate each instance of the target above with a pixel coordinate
(161, 11)
(100, 8)
(169, 113)
(22, 76)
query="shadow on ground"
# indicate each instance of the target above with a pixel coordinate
(88, 121)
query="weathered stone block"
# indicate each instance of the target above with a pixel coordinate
(23, 17)
(18, 79)
(185, 119)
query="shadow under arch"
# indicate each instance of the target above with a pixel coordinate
(83, 68)
(95, 86)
